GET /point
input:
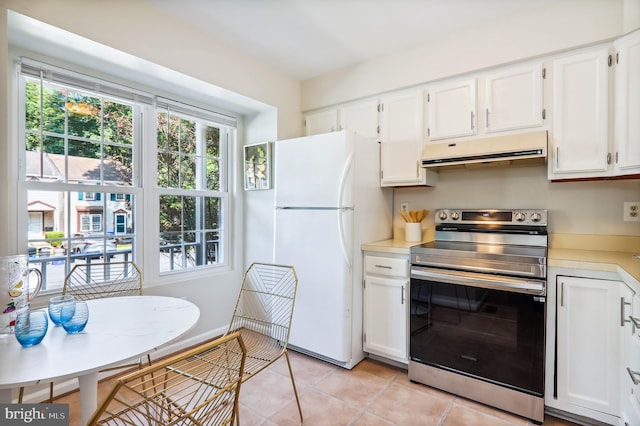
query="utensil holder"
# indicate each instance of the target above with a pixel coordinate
(413, 231)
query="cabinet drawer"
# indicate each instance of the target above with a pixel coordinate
(386, 266)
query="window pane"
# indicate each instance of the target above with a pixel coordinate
(96, 222)
(168, 171)
(118, 122)
(84, 162)
(188, 213)
(213, 247)
(162, 134)
(188, 172)
(170, 213)
(211, 213)
(194, 239)
(66, 227)
(213, 175)
(84, 116)
(53, 145)
(212, 137)
(32, 141)
(187, 136)
(118, 165)
(32, 105)
(53, 109)
(173, 138)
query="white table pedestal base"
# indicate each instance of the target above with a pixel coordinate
(88, 395)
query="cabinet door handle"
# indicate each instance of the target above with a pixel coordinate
(487, 117)
(608, 158)
(562, 294)
(557, 157)
(383, 266)
(633, 375)
(402, 295)
(622, 305)
(471, 120)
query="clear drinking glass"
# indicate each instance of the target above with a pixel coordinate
(56, 303)
(78, 319)
(31, 327)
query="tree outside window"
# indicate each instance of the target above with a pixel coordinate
(80, 136)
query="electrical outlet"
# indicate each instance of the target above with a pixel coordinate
(404, 206)
(631, 211)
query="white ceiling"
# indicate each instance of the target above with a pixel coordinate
(306, 38)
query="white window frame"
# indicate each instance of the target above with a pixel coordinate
(146, 160)
(226, 138)
(91, 217)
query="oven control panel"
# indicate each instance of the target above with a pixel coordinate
(492, 216)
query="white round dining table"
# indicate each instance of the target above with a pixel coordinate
(119, 329)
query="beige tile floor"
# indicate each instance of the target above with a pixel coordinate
(372, 394)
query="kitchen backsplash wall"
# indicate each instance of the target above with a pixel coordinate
(574, 207)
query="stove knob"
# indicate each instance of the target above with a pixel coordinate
(455, 215)
(520, 217)
(536, 217)
(442, 215)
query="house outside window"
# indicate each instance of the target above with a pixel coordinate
(82, 143)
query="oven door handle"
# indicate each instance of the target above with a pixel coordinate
(472, 279)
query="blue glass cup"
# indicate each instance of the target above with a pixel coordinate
(31, 327)
(56, 303)
(78, 319)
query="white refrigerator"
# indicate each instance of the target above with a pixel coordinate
(328, 201)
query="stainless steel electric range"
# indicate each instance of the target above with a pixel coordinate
(477, 312)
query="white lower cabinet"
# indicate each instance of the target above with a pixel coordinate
(386, 286)
(629, 358)
(588, 347)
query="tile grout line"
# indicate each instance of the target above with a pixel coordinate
(374, 399)
(446, 412)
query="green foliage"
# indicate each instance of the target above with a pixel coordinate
(64, 121)
(54, 237)
(96, 127)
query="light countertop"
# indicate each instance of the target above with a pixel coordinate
(391, 246)
(612, 257)
(623, 263)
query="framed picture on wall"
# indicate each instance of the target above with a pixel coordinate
(257, 166)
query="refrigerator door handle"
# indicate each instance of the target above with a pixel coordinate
(343, 240)
(341, 190)
(344, 179)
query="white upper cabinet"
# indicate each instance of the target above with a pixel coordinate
(402, 136)
(452, 109)
(361, 117)
(627, 105)
(321, 122)
(579, 144)
(513, 98)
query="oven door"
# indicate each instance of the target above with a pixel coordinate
(488, 327)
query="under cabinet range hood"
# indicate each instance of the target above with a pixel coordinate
(523, 148)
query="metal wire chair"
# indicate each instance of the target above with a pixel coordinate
(263, 317)
(197, 387)
(97, 280)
